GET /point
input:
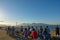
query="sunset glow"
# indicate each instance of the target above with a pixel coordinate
(29, 12)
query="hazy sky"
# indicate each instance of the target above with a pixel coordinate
(30, 11)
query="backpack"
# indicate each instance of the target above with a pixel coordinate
(34, 34)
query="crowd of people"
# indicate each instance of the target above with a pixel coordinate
(30, 33)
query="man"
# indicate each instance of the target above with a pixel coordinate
(57, 30)
(8, 30)
(47, 33)
(13, 31)
(48, 29)
(40, 32)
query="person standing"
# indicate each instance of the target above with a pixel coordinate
(26, 33)
(34, 34)
(13, 31)
(47, 33)
(40, 32)
(57, 30)
(48, 30)
(8, 30)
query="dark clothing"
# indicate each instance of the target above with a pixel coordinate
(8, 30)
(46, 34)
(13, 30)
(57, 30)
(40, 32)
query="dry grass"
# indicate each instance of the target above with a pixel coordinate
(53, 33)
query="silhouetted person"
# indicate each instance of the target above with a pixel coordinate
(57, 30)
(40, 32)
(13, 31)
(26, 33)
(41, 29)
(48, 30)
(47, 33)
(8, 30)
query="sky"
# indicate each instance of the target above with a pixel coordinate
(29, 11)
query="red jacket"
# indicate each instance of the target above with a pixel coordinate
(34, 34)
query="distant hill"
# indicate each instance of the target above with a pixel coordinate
(38, 25)
(33, 24)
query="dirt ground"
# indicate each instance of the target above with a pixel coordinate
(4, 36)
